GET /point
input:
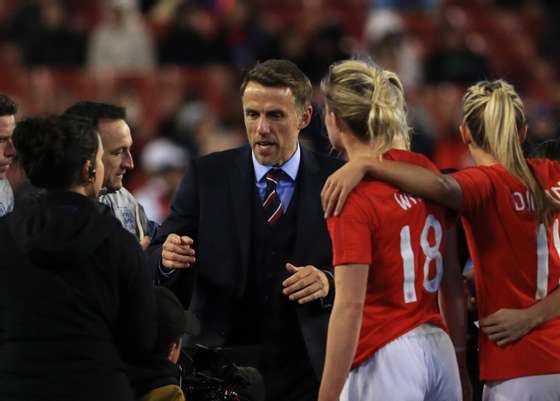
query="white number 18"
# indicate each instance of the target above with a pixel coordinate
(431, 252)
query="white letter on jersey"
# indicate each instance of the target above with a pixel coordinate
(556, 191)
(518, 201)
(405, 201)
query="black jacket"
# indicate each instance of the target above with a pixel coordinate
(75, 302)
(213, 206)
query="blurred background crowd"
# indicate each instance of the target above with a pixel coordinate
(176, 66)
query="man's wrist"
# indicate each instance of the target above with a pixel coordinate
(330, 280)
(164, 271)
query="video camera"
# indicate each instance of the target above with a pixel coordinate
(207, 375)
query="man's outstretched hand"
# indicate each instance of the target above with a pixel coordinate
(306, 284)
(177, 252)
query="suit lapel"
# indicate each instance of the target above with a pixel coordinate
(240, 180)
(310, 213)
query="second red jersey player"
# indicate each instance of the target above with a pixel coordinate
(516, 263)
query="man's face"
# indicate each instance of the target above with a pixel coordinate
(7, 150)
(117, 159)
(273, 121)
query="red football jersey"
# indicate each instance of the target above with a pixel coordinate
(401, 238)
(516, 263)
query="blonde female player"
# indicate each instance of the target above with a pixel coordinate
(385, 325)
(510, 212)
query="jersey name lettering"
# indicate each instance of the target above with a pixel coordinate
(406, 201)
(524, 202)
(554, 192)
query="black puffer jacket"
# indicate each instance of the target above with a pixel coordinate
(75, 302)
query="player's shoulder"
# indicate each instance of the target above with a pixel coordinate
(407, 156)
(370, 192)
(548, 169)
(362, 201)
(544, 163)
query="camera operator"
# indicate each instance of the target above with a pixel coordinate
(157, 376)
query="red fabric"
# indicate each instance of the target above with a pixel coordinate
(501, 231)
(451, 152)
(368, 231)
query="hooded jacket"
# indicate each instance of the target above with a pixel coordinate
(75, 301)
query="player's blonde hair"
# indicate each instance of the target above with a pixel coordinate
(369, 100)
(493, 112)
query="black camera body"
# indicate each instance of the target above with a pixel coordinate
(207, 375)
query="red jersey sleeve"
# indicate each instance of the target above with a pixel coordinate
(476, 186)
(351, 233)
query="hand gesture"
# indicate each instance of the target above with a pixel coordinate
(177, 252)
(306, 284)
(507, 325)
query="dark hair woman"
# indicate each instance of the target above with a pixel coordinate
(75, 300)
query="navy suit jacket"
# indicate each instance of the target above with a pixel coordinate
(213, 206)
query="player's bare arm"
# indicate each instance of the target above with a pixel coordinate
(344, 328)
(506, 326)
(415, 180)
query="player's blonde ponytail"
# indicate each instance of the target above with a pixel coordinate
(493, 112)
(370, 101)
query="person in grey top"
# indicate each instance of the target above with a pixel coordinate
(8, 110)
(6, 197)
(117, 159)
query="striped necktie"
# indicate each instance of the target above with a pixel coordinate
(272, 205)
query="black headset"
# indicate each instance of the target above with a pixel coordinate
(92, 170)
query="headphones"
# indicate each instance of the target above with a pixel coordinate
(91, 171)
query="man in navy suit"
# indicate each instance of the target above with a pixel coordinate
(262, 273)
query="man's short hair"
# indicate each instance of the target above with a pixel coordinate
(96, 111)
(7, 106)
(281, 74)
